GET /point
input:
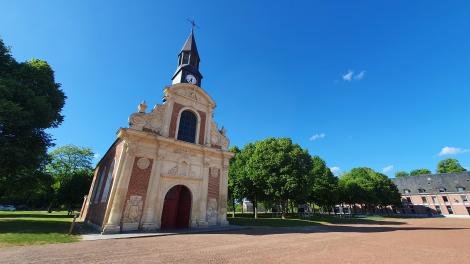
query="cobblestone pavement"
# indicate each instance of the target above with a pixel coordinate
(391, 241)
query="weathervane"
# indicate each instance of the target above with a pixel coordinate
(193, 24)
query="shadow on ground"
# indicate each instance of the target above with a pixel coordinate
(259, 231)
(33, 226)
(33, 215)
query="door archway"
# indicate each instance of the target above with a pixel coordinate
(176, 208)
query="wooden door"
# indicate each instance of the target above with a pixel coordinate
(176, 208)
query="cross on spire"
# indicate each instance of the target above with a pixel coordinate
(193, 24)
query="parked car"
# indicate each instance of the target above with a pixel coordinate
(7, 208)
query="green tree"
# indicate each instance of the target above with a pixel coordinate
(30, 102)
(285, 168)
(273, 170)
(234, 193)
(450, 166)
(244, 183)
(368, 188)
(418, 172)
(325, 189)
(71, 168)
(401, 174)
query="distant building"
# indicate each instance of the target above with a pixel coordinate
(436, 194)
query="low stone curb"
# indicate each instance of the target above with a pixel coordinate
(92, 237)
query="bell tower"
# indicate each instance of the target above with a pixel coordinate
(188, 63)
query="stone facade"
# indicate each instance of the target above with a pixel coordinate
(147, 160)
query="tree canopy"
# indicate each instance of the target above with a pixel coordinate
(272, 169)
(324, 190)
(418, 172)
(450, 166)
(30, 102)
(402, 174)
(277, 172)
(368, 187)
(72, 171)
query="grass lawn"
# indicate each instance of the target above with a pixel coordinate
(34, 227)
(291, 222)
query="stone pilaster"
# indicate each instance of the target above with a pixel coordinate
(167, 117)
(222, 214)
(113, 225)
(149, 214)
(204, 189)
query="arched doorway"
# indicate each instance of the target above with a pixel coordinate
(176, 208)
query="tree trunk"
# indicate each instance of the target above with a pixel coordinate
(284, 208)
(233, 213)
(255, 208)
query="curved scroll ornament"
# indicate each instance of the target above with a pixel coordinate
(219, 137)
(152, 121)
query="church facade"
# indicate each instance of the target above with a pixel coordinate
(169, 168)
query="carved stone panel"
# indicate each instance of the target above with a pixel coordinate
(143, 163)
(133, 210)
(212, 211)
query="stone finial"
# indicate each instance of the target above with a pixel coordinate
(142, 107)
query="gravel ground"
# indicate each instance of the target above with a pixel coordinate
(392, 241)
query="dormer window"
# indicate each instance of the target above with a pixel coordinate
(442, 189)
(187, 127)
(460, 189)
(407, 191)
(421, 190)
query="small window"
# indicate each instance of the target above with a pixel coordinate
(445, 199)
(434, 200)
(424, 199)
(460, 189)
(187, 127)
(438, 209)
(185, 58)
(421, 190)
(408, 199)
(442, 189)
(449, 209)
(464, 198)
(406, 191)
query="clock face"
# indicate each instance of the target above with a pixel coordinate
(191, 79)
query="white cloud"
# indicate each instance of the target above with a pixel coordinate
(336, 171)
(317, 136)
(452, 151)
(388, 169)
(360, 76)
(96, 155)
(348, 76)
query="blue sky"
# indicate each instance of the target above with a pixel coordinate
(383, 84)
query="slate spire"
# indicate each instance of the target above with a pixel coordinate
(188, 63)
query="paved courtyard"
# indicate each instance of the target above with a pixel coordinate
(388, 241)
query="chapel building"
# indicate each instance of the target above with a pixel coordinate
(169, 168)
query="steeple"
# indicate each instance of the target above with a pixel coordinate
(188, 63)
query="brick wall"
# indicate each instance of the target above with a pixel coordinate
(97, 206)
(139, 181)
(202, 129)
(174, 119)
(214, 183)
